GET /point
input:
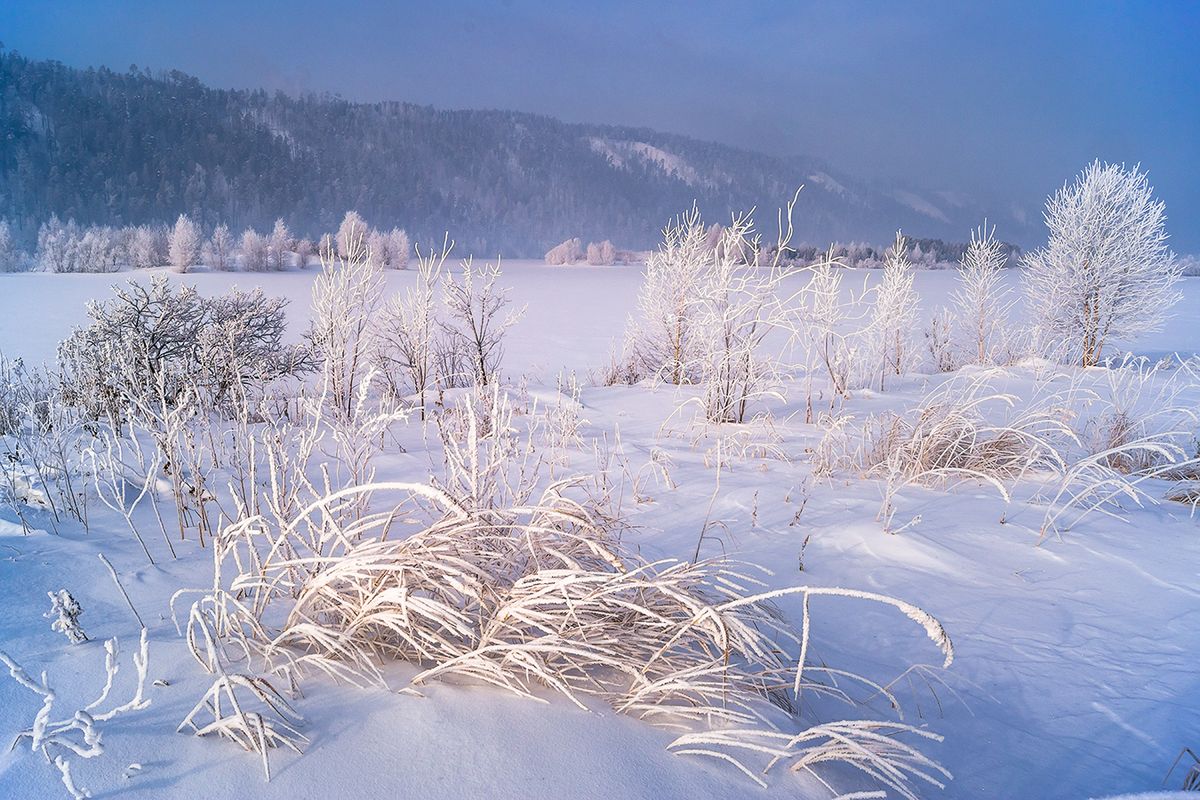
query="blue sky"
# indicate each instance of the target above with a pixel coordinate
(1000, 100)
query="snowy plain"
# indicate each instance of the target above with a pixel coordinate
(1076, 673)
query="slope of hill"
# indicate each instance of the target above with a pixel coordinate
(121, 148)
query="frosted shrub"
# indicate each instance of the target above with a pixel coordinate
(65, 611)
(742, 301)
(145, 334)
(826, 324)
(939, 341)
(1106, 271)
(568, 252)
(477, 318)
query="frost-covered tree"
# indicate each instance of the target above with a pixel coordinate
(278, 247)
(145, 245)
(398, 249)
(345, 297)
(377, 247)
(53, 244)
(255, 255)
(1106, 271)
(219, 251)
(408, 324)
(601, 254)
(184, 244)
(95, 249)
(665, 339)
(351, 235)
(10, 256)
(894, 315)
(165, 339)
(476, 319)
(981, 301)
(742, 301)
(567, 252)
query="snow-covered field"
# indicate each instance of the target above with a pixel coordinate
(1075, 675)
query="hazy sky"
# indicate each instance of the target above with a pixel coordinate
(1001, 100)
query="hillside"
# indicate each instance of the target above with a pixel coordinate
(126, 148)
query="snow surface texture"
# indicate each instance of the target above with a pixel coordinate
(1076, 666)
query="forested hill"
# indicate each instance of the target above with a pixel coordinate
(125, 148)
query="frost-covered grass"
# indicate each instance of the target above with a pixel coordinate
(1074, 672)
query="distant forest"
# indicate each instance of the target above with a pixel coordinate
(127, 148)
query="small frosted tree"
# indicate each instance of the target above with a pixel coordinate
(220, 248)
(345, 297)
(601, 254)
(351, 235)
(145, 247)
(10, 256)
(408, 324)
(53, 245)
(567, 252)
(279, 245)
(981, 301)
(254, 251)
(398, 249)
(477, 318)
(894, 315)
(183, 245)
(1106, 271)
(665, 339)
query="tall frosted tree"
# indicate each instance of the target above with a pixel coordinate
(352, 235)
(10, 257)
(981, 301)
(1106, 272)
(894, 314)
(183, 246)
(220, 248)
(279, 245)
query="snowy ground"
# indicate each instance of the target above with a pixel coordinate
(1076, 673)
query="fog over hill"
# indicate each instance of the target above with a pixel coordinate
(125, 148)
